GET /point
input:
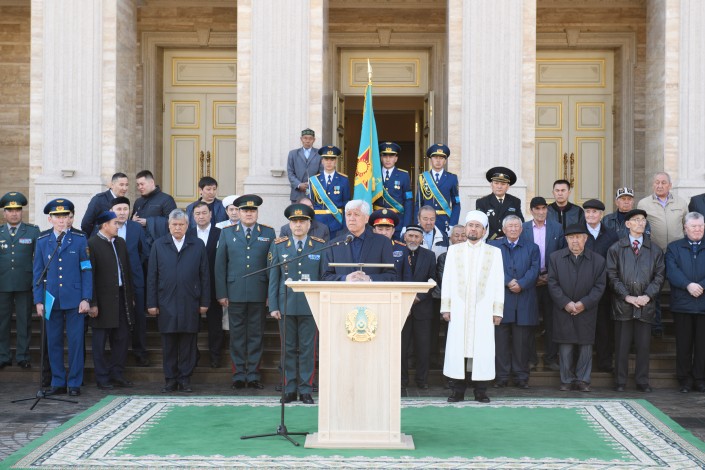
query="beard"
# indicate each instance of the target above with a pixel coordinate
(412, 246)
(473, 238)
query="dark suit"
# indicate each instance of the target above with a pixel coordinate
(178, 283)
(496, 212)
(554, 241)
(317, 230)
(697, 204)
(418, 267)
(16, 254)
(214, 315)
(218, 213)
(101, 202)
(520, 315)
(374, 248)
(299, 170)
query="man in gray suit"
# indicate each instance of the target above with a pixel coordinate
(301, 164)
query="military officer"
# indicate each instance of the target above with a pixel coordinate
(68, 285)
(300, 325)
(397, 194)
(17, 242)
(499, 204)
(242, 249)
(438, 188)
(384, 222)
(330, 191)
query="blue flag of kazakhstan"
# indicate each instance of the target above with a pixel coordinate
(368, 174)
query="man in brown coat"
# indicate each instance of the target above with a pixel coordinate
(111, 307)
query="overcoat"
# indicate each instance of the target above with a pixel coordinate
(575, 282)
(106, 289)
(178, 283)
(684, 266)
(522, 263)
(424, 270)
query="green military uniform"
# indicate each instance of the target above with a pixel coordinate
(16, 257)
(238, 255)
(300, 325)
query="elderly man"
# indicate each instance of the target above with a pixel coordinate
(472, 301)
(232, 211)
(521, 260)
(434, 239)
(499, 204)
(397, 195)
(686, 274)
(548, 236)
(178, 292)
(317, 229)
(576, 281)
(301, 164)
(419, 266)
(364, 246)
(600, 238)
(624, 201)
(438, 188)
(102, 201)
(111, 314)
(300, 344)
(636, 272)
(562, 210)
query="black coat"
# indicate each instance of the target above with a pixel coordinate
(101, 202)
(155, 207)
(570, 282)
(571, 215)
(211, 246)
(178, 283)
(697, 204)
(376, 248)
(605, 239)
(106, 289)
(496, 212)
(682, 268)
(424, 270)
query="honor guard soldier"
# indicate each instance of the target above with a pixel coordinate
(330, 191)
(439, 189)
(242, 249)
(300, 325)
(17, 242)
(397, 194)
(499, 204)
(384, 222)
(69, 288)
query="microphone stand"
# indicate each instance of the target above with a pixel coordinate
(41, 394)
(281, 428)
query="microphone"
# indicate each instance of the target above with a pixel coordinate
(60, 238)
(349, 238)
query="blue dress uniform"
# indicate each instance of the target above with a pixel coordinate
(398, 195)
(236, 256)
(301, 333)
(16, 254)
(330, 196)
(444, 195)
(69, 280)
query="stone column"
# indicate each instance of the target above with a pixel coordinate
(82, 104)
(491, 63)
(280, 47)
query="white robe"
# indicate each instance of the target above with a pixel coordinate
(473, 292)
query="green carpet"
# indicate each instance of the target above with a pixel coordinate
(514, 433)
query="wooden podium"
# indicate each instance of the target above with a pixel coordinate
(359, 398)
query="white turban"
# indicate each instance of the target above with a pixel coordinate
(229, 200)
(477, 216)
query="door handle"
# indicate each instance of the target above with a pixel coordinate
(572, 170)
(208, 163)
(565, 166)
(201, 159)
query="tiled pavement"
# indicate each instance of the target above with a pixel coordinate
(19, 425)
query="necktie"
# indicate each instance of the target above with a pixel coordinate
(330, 177)
(438, 177)
(299, 246)
(501, 200)
(248, 232)
(694, 247)
(13, 231)
(635, 247)
(386, 175)
(512, 245)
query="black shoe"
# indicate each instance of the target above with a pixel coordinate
(46, 383)
(278, 387)
(307, 399)
(619, 388)
(255, 384)
(215, 362)
(185, 387)
(684, 389)
(238, 385)
(522, 384)
(456, 397)
(74, 391)
(644, 388)
(123, 383)
(55, 391)
(482, 397)
(169, 387)
(422, 386)
(5, 364)
(105, 386)
(24, 365)
(314, 387)
(499, 384)
(142, 361)
(289, 397)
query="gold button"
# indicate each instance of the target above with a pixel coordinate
(60, 277)
(247, 266)
(60, 268)
(248, 257)
(61, 285)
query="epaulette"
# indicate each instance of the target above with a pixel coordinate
(265, 225)
(343, 174)
(79, 233)
(280, 239)
(44, 234)
(400, 169)
(229, 226)
(397, 242)
(317, 239)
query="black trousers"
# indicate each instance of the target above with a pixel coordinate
(624, 333)
(459, 386)
(435, 332)
(112, 368)
(690, 348)
(179, 351)
(604, 333)
(214, 320)
(139, 330)
(550, 349)
(418, 331)
(512, 350)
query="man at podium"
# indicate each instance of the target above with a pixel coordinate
(358, 244)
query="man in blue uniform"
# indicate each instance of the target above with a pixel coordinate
(330, 191)
(242, 249)
(397, 194)
(17, 242)
(383, 222)
(438, 188)
(300, 325)
(499, 204)
(68, 285)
